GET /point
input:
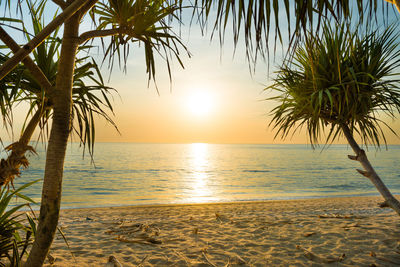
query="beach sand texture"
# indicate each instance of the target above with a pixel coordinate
(313, 232)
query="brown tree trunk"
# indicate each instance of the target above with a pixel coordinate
(9, 168)
(369, 172)
(62, 104)
(397, 4)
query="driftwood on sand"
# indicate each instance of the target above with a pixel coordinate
(113, 262)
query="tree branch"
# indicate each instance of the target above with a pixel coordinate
(396, 3)
(33, 68)
(61, 3)
(87, 7)
(10, 64)
(98, 33)
(104, 33)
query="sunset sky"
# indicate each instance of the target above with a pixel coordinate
(214, 99)
(230, 101)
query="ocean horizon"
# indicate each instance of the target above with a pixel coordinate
(124, 174)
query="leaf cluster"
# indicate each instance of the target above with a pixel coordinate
(91, 97)
(13, 245)
(260, 21)
(341, 77)
(144, 22)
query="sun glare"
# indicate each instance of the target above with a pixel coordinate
(200, 103)
(200, 164)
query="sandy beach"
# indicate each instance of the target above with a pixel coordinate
(313, 232)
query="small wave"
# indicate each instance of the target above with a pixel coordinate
(156, 170)
(338, 168)
(99, 189)
(159, 190)
(341, 186)
(256, 171)
(75, 170)
(144, 199)
(101, 193)
(153, 170)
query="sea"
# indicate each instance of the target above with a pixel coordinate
(121, 174)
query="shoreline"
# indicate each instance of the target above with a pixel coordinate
(226, 202)
(308, 232)
(372, 195)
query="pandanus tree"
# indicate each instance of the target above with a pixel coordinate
(146, 22)
(125, 22)
(339, 84)
(90, 100)
(90, 95)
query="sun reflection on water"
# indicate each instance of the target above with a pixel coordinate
(200, 165)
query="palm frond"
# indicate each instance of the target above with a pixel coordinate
(261, 21)
(90, 101)
(144, 22)
(12, 244)
(9, 93)
(339, 77)
(91, 96)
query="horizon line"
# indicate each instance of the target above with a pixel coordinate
(213, 143)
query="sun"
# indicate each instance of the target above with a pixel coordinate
(200, 103)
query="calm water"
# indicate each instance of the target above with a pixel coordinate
(133, 174)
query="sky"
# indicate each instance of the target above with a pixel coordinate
(214, 99)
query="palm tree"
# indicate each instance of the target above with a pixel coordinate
(338, 83)
(22, 86)
(126, 22)
(146, 22)
(89, 94)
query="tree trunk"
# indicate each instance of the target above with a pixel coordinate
(62, 104)
(369, 172)
(397, 4)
